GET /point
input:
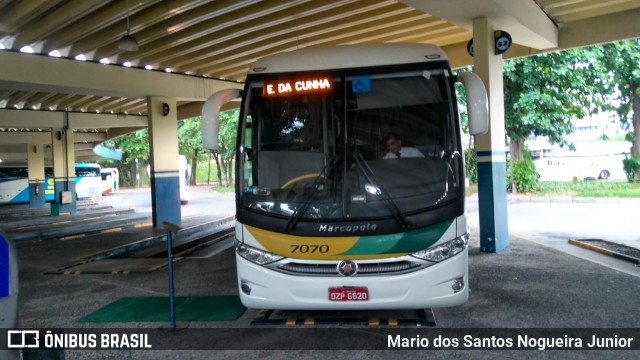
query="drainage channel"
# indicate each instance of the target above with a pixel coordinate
(149, 254)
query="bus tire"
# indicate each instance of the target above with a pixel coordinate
(604, 175)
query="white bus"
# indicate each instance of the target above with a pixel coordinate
(324, 220)
(110, 180)
(88, 180)
(14, 183)
(591, 160)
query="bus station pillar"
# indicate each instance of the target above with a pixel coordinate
(37, 181)
(491, 154)
(64, 172)
(165, 180)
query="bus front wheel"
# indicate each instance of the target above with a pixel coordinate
(604, 175)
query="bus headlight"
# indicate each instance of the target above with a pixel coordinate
(254, 255)
(445, 250)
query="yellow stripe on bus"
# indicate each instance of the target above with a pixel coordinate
(302, 247)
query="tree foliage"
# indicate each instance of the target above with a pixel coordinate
(521, 174)
(227, 138)
(619, 62)
(190, 144)
(543, 93)
(134, 146)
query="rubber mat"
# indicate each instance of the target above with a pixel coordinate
(187, 308)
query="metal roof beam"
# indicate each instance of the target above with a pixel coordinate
(46, 74)
(20, 119)
(601, 29)
(10, 118)
(17, 137)
(523, 19)
(105, 121)
(89, 137)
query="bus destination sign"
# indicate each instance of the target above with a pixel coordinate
(294, 87)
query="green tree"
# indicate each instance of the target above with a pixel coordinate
(134, 146)
(190, 144)
(227, 138)
(620, 62)
(543, 93)
(521, 174)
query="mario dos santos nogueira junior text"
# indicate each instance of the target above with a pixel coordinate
(516, 342)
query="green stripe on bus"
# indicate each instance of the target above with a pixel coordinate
(406, 242)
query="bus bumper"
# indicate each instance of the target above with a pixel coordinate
(263, 288)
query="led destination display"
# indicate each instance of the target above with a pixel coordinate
(300, 86)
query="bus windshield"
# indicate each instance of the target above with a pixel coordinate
(88, 170)
(341, 146)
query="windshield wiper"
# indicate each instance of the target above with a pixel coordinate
(317, 182)
(380, 191)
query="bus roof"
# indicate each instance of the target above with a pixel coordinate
(347, 56)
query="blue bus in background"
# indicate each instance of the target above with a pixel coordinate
(14, 183)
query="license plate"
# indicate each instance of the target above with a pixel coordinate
(349, 294)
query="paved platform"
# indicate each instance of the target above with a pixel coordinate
(531, 284)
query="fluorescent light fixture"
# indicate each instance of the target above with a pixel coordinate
(26, 49)
(148, 67)
(55, 53)
(105, 61)
(126, 64)
(81, 57)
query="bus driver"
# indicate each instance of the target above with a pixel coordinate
(396, 150)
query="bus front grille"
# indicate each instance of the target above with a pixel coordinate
(309, 269)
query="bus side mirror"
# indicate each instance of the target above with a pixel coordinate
(476, 103)
(210, 119)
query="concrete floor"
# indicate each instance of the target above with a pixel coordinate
(529, 285)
